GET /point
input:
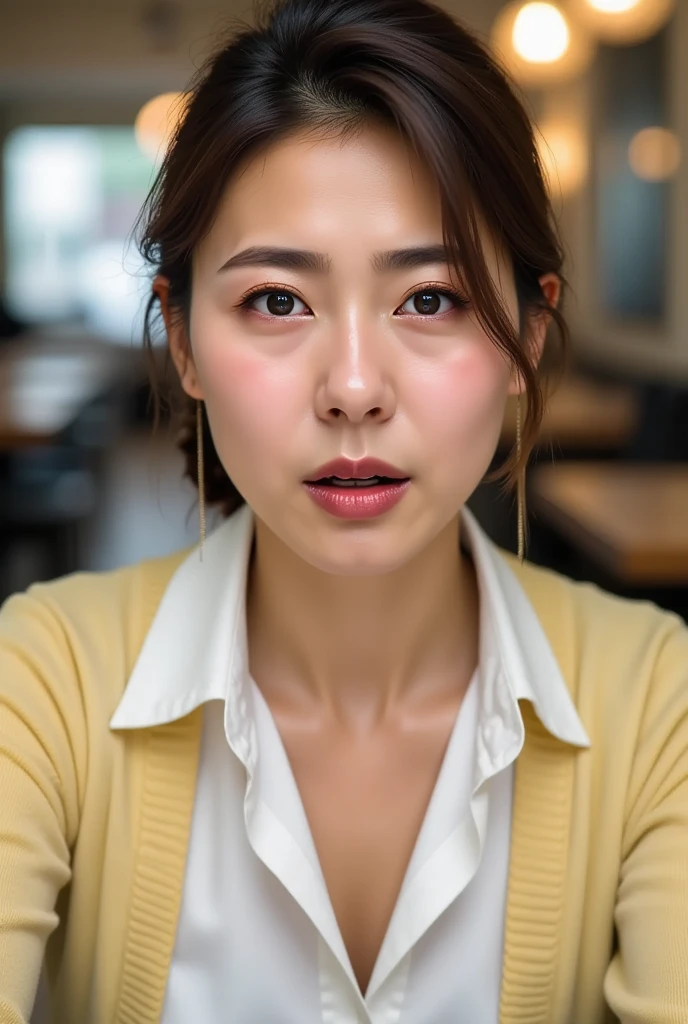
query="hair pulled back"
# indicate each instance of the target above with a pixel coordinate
(332, 66)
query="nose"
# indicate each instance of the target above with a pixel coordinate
(355, 381)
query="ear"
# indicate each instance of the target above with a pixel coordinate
(537, 328)
(178, 340)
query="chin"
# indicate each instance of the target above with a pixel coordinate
(359, 568)
(359, 552)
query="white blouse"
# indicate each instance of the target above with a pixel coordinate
(257, 941)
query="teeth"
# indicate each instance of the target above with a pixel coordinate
(369, 481)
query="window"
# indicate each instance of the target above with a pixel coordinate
(631, 214)
(71, 197)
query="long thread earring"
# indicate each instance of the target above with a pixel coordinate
(201, 472)
(521, 486)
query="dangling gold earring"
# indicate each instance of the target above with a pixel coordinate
(521, 487)
(201, 474)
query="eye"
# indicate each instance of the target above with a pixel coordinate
(428, 302)
(277, 302)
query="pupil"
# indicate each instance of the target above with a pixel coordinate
(280, 303)
(427, 302)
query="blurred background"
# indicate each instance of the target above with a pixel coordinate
(88, 95)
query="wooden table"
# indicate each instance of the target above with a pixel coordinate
(582, 413)
(45, 382)
(632, 519)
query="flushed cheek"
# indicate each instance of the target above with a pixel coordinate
(254, 410)
(459, 415)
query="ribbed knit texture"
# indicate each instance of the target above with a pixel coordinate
(166, 811)
(544, 776)
(597, 912)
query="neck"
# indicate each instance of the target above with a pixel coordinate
(361, 649)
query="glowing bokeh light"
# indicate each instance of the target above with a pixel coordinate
(539, 45)
(156, 122)
(613, 6)
(655, 154)
(540, 33)
(622, 22)
(563, 149)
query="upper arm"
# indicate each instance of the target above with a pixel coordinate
(647, 980)
(42, 750)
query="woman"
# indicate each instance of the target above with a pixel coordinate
(346, 760)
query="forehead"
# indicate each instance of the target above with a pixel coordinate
(324, 183)
(362, 192)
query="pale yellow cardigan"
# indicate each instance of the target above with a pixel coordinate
(597, 914)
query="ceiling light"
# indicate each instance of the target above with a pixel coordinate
(157, 121)
(539, 45)
(541, 33)
(623, 22)
(613, 6)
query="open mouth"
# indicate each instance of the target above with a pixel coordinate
(370, 481)
(357, 497)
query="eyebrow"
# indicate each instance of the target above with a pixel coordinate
(320, 263)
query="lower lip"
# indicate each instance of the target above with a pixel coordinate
(357, 502)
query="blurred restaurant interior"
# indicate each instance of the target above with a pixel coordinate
(88, 91)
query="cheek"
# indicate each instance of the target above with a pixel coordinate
(250, 407)
(463, 406)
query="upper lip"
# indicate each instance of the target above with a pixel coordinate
(346, 469)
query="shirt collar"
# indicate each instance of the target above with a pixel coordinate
(196, 648)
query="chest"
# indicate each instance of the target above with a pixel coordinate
(365, 801)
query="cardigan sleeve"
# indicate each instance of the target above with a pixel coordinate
(42, 763)
(647, 980)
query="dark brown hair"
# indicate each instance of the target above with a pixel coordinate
(332, 66)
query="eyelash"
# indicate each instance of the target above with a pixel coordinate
(461, 302)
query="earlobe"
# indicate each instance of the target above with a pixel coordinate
(551, 289)
(537, 335)
(177, 339)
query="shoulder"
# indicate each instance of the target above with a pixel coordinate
(587, 614)
(625, 660)
(86, 620)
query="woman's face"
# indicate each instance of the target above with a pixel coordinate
(342, 357)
